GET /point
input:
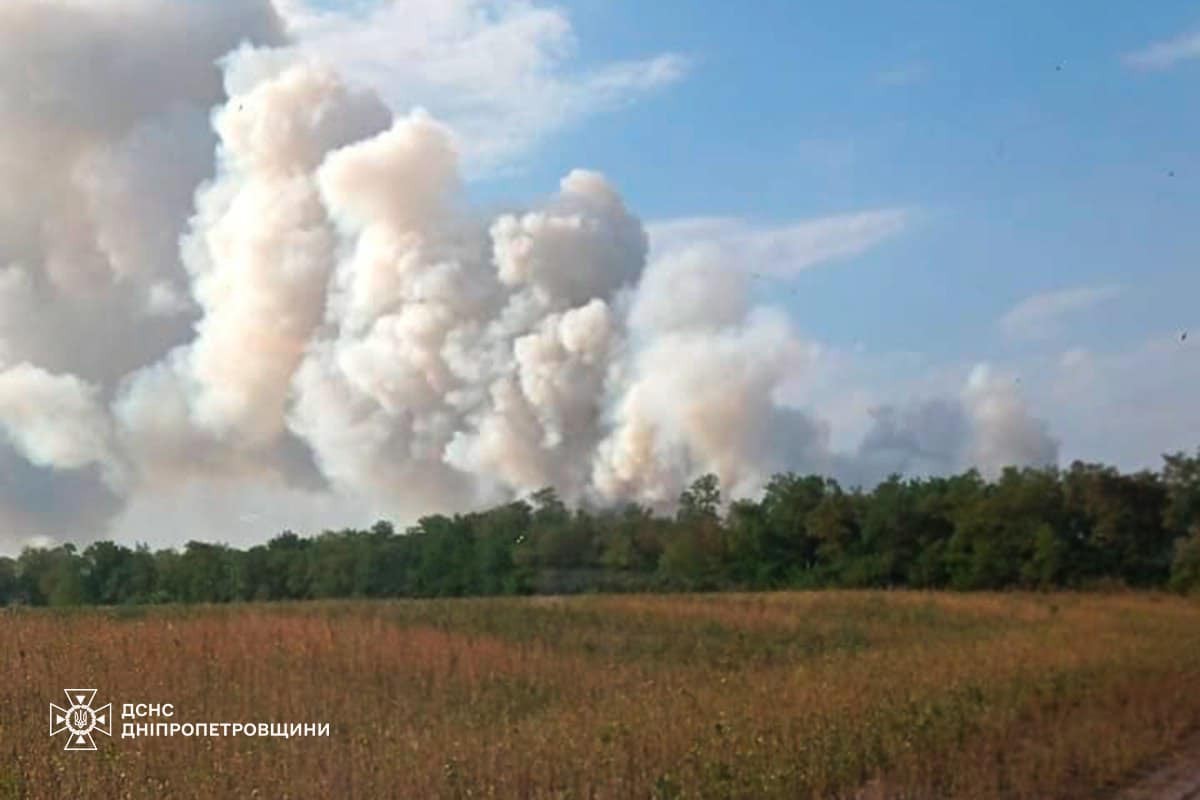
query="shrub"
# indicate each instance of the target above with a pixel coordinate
(1185, 569)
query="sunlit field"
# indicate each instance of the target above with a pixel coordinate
(835, 694)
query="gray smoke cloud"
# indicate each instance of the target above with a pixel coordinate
(249, 285)
(989, 426)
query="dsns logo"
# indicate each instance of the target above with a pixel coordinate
(79, 719)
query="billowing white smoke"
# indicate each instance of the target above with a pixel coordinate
(1004, 433)
(259, 256)
(104, 137)
(103, 140)
(52, 420)
(460, 364)
(325, 316)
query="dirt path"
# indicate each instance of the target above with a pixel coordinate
(1178, 778)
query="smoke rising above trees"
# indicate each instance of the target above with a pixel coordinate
(249, 273)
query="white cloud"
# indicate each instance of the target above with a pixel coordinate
(780, 250)
(54, 420)
(1042, 316)
(497, 71)
(1165, 54)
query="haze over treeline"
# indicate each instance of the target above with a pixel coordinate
(1030, 528)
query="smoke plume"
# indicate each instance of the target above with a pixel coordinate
(248, 281)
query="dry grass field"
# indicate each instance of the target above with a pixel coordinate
(833, 694)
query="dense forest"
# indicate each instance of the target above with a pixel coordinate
(1082, 527)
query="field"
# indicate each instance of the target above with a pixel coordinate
(834, 694)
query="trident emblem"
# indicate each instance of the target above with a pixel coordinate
(79, 719)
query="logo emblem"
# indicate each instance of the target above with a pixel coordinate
(79, 719)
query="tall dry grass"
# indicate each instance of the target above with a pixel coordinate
(767, 695)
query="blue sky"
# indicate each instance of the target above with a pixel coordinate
(1039, 159)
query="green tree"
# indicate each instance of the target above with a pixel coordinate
(207, 573)
(788, 546)
(8, 581)
(995, 534)
(747, 533)
(1181, 474)
(287, 565)
(633, 539)
(109, 573)
(834, 526)
(498, 532)
(52, 576)
(1185, 568)
(1122, 521)
(443, 556)
(700, 502)
(694, 553)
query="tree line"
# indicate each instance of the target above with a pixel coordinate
(1085, 526)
